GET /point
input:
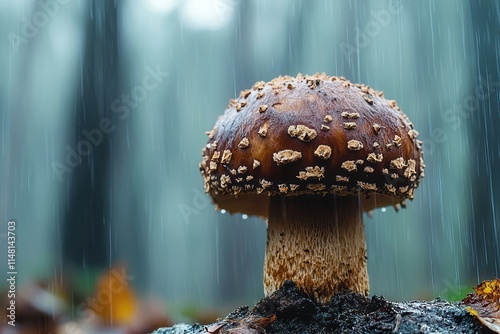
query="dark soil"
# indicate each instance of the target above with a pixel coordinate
(289, 311)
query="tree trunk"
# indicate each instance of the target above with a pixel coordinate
(485, 165)
(87, 221)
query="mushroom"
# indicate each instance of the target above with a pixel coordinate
(313, 185)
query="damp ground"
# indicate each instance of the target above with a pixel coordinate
(289, 311)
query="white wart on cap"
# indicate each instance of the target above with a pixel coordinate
(280, 127)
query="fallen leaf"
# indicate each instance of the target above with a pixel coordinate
(114, 301)
(484, 304)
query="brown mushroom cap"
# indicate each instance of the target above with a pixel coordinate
(311, 135)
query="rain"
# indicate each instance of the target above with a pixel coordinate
(104, 108)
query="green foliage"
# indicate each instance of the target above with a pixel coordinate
(455, 293)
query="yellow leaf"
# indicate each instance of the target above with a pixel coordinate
(472, 311)
(114, 301)
(484, 304)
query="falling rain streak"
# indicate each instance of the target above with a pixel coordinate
(104, 106)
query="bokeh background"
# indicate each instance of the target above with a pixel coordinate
(145, 79)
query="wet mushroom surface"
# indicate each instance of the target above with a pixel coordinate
(310, 154)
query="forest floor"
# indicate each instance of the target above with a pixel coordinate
(289, 311)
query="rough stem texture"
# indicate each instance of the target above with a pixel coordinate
(319, 243)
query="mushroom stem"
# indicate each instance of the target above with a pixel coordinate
(319, 243)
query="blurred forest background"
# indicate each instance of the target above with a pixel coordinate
(104, 105)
